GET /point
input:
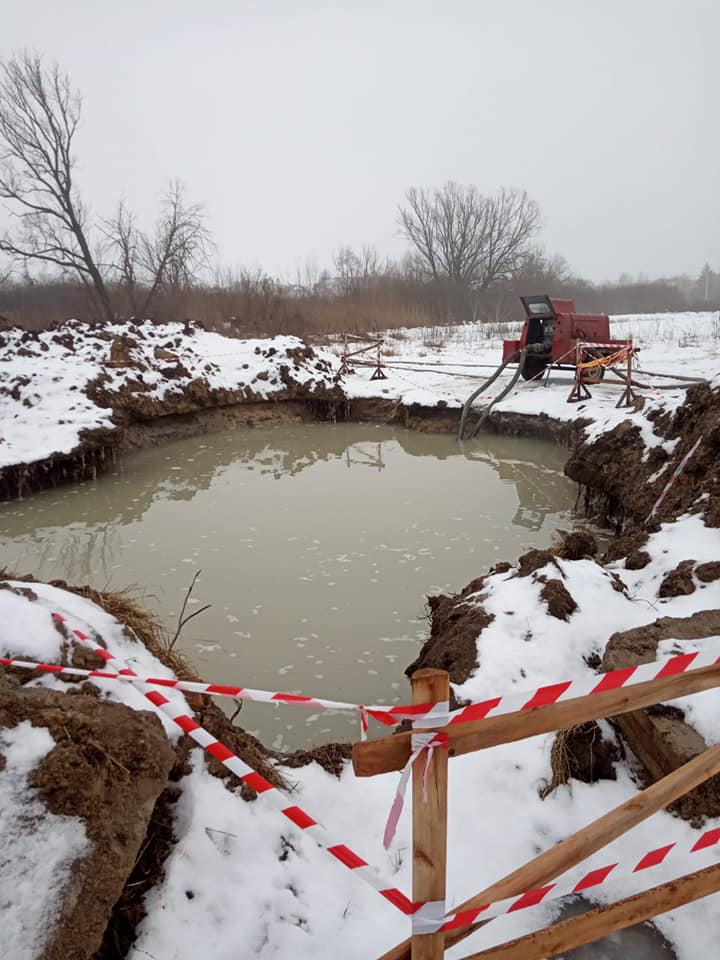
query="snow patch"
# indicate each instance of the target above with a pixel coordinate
(37, 848)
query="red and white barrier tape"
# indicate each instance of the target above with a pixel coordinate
(427, 715)
(671, 853)
(425, 915)
(188, 686)
(418, 743)
(256, 781)
(676, 473)
(570, 689)
(617, 344)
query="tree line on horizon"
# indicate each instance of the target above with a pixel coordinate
(470, 254)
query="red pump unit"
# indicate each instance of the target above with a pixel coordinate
(551, 331)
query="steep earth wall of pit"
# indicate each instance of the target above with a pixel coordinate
(138, 428)
(622, 480)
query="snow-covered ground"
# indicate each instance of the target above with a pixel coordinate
(241, 881)
(44, 376)
(38, 847)
(431, 364)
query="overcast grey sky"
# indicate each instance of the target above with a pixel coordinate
(301, 124)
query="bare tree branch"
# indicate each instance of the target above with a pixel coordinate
(39, 115)
(469, 238)
(182, 619)
(169, 259)
(125, 239)
(179, 249)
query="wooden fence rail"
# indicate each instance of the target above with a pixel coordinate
(392, 753)
(429, 857)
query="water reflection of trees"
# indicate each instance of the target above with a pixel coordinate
(84, 522)
(538, 491)
(84, 553)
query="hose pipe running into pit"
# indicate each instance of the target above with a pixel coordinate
(521, 354)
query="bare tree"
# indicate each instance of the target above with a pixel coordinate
(125, 240)
(181, 245)
(356, 270)
(39, 116)
(460, 234)
(511, 221)
(169, 259)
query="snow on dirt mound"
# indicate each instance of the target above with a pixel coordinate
(79, 779)
(58, 385)
(38, 847)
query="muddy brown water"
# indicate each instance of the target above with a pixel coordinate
(317, 544)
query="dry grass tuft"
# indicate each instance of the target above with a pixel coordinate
(581, 753)
(559, 763)
(126, 609)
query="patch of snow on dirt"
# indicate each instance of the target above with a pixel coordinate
(45, 409)
(37, 848)
(244, 880)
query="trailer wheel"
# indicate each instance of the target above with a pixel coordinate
(594, 376)
(533, 367)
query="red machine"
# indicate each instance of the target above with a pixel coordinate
(551, 332)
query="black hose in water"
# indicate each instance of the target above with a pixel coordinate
(468, 403)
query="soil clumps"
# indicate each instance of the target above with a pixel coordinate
(659, 737)
(559, 602)
(679, 582)
(455, 624)
(109, 765)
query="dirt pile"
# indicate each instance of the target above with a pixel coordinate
(659, 737)
(297, 373)
(622, 479)
(455, 623)
(559, 602)
(109, 766)
(679, 582)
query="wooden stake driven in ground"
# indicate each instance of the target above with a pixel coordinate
(606, 920)
(429, 802)
(579, 846)
(392, 753)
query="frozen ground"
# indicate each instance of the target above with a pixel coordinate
(431, 364)
(43, 377)
(44, 406)
(241, 882)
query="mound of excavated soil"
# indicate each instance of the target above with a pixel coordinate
(455, 623)
(559, 602)
(623, 480)
(108, 767)
(659, 736)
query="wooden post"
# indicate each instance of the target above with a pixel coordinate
(599, 923)
(628, 397)
(429, 817)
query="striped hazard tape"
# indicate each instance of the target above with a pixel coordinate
(340, 852)
(573, 883)
(424, 714)
(675, 474)
(427, 917)
(570, 689)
